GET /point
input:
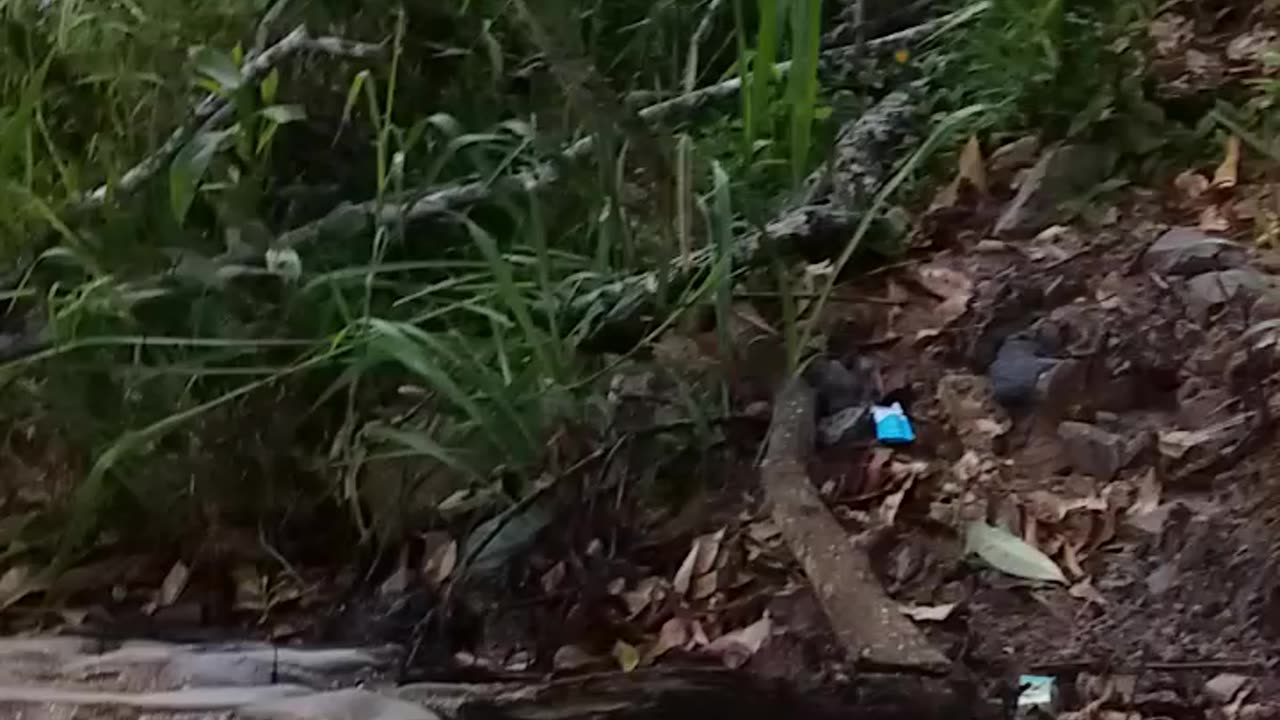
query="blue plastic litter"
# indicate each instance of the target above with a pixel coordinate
(1039, 696)
(893, 427)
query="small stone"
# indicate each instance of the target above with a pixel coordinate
(1016, 371)
(848, 424)
(1014, 156)
(1214, 288)
(1062, 173)
(1225, 687)
(839, 387)
(1092, 450)
(1190, 251)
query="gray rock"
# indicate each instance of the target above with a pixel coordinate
(840, 387)
(1016, 372)
(1202, 292)
(1189, 251)
(850, 423)
(348, 704)
(1063, 173)
(1092, 450)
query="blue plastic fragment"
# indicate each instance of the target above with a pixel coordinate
(1039, 696)
(892, 425)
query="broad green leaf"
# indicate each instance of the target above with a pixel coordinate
(189, 167)
(282, 114)
(218, 67)
(1009, 554)
(270, 85)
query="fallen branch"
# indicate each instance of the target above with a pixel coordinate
(439, 201)
(215, 110)
(865, 620)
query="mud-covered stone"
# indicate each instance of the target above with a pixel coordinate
(1063, 172)
(1189, 251)
(1092, 450)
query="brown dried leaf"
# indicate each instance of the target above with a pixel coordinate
(1071, 561)
(873, 478)
(572, 657)
(889, 508)
(441, 558)
(1084, 590)
(1191, 186)
(953, 288)
(647, 591)
(700, 561)
(1228, 173)
(928, 613)
(1148, 495)
(676, 632)
(737, 647)
(973, 168)
(552, 578)
(171, 588)
(1214, 219)
(764, 532)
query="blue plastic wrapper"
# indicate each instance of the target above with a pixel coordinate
(893, 427)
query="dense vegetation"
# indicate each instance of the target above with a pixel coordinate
(392, 252)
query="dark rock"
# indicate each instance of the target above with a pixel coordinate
(1092, 450)
(1062, 173)
(851, 423)
(1016, 372)
(840, 387)
(1209, 289)
(1189, 251)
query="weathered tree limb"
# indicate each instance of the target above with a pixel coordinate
(432, 202)
(865, 620)
(215, 110)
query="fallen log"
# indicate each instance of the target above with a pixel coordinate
(865, 620)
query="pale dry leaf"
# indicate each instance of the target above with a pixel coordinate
(1228, 173)
(700, 561)
(572, 657)
(175, 582)
(1010, 554)
(973, 168)
(675, 633)
(1085, 590)
(552, 578)
(737, 647)
(398, 581)
(1148, 498)
(14, 584)
(953, 288)
(647, 591)
(764, 532)
(873, 478)
(626, 655)
(891, 504)
(928, 613)
(1071, 560)
(440, 558)
(1191, 185)
(1214, 219)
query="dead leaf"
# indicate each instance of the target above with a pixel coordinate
(1228, 173)
(1226, 687)
(572, 657)
(700, 562)
(675, 634)
(626, 655)
(1191, 186)
(396, 583)
(441, 558)
(1071, 561)
(764, 532)
(873, 478)
(953, 288)
(972, 167)
(175, 581)
(1010, 554)
(737, 647)
(928, 613)
(16, 583)
(647, 591)
(552, 578)
(1176, 444)
(1214, 219)
(1084, 590)
(889, 508)
(1148, 495)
